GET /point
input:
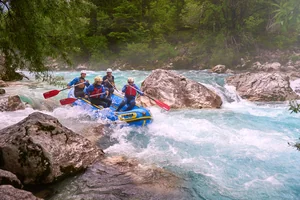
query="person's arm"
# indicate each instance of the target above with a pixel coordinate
(106, 91)
(88, 90)
(124, 88)
(87, 83)
(138, 90)
(73, 82)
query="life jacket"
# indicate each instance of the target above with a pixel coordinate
(96, 91)
(130, 91)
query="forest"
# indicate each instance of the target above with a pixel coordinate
(143, 33)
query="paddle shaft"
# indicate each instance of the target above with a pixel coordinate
(73, 86)
(112, 85)
(72, 99)
(159, 103)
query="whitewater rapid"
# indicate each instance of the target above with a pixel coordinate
(240, 151)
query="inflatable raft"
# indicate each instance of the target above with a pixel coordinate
(138, 116)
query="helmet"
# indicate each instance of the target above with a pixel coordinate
(109, 70)
(98, 79)
(82, 72)
(130, 79)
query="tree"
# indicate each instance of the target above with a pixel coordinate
(34, 30)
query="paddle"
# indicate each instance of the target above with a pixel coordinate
(72, 100)
(112, 85)
(53, 93)
(159, 103)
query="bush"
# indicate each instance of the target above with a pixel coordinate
(136, 53)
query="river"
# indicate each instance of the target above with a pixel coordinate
(240, 151)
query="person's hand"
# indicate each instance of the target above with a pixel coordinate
(68, 86)
(106, 80)
(86, 96)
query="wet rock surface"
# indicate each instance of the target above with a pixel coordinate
(121, 178)
(8, 192)
(8, 178)
(177, 91)
(40, 150)
(263, 86)
(11, 103)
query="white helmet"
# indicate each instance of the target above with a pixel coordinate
(82, 72)
(98, 79)
(130, 79)
(109, 70)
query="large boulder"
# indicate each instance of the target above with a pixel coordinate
(122, 178)
(8, 192)
(177, 91)
(263, 86)
(39, 150)
(8, 178)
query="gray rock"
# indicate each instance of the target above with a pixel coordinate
(8, 178)
(122, 178)
(40, 150)
(263, 86)
(2, 91)
(11, 103)
(14, 103)
(3, 84)
(8, 192)
(219, 69)
(177, 91)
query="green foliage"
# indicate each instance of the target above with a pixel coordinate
(141, 54)
(142, 32)
(164, 52)
(136, 53)
(33, 30)
(96, 46)
(287, 14)
(294, 107)
(294, 58)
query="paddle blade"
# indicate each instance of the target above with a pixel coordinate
(51, 93)
(162, 105)
(67, 101)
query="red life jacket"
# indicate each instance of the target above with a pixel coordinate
(130, 91)
(96, 91)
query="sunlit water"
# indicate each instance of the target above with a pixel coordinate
(240, 151)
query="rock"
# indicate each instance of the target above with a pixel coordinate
(263, 86)
(14, 103)
(219, 69)
(2, 91)
(8, 192)
(3, 84)
(39, 150)
(177, 91)
(267, 67)
(8, 178)
(11, 103)
(229, 71)
(121, 178)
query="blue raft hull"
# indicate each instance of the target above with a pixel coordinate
(138, 116)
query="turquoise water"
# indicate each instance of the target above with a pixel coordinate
(240, 151)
